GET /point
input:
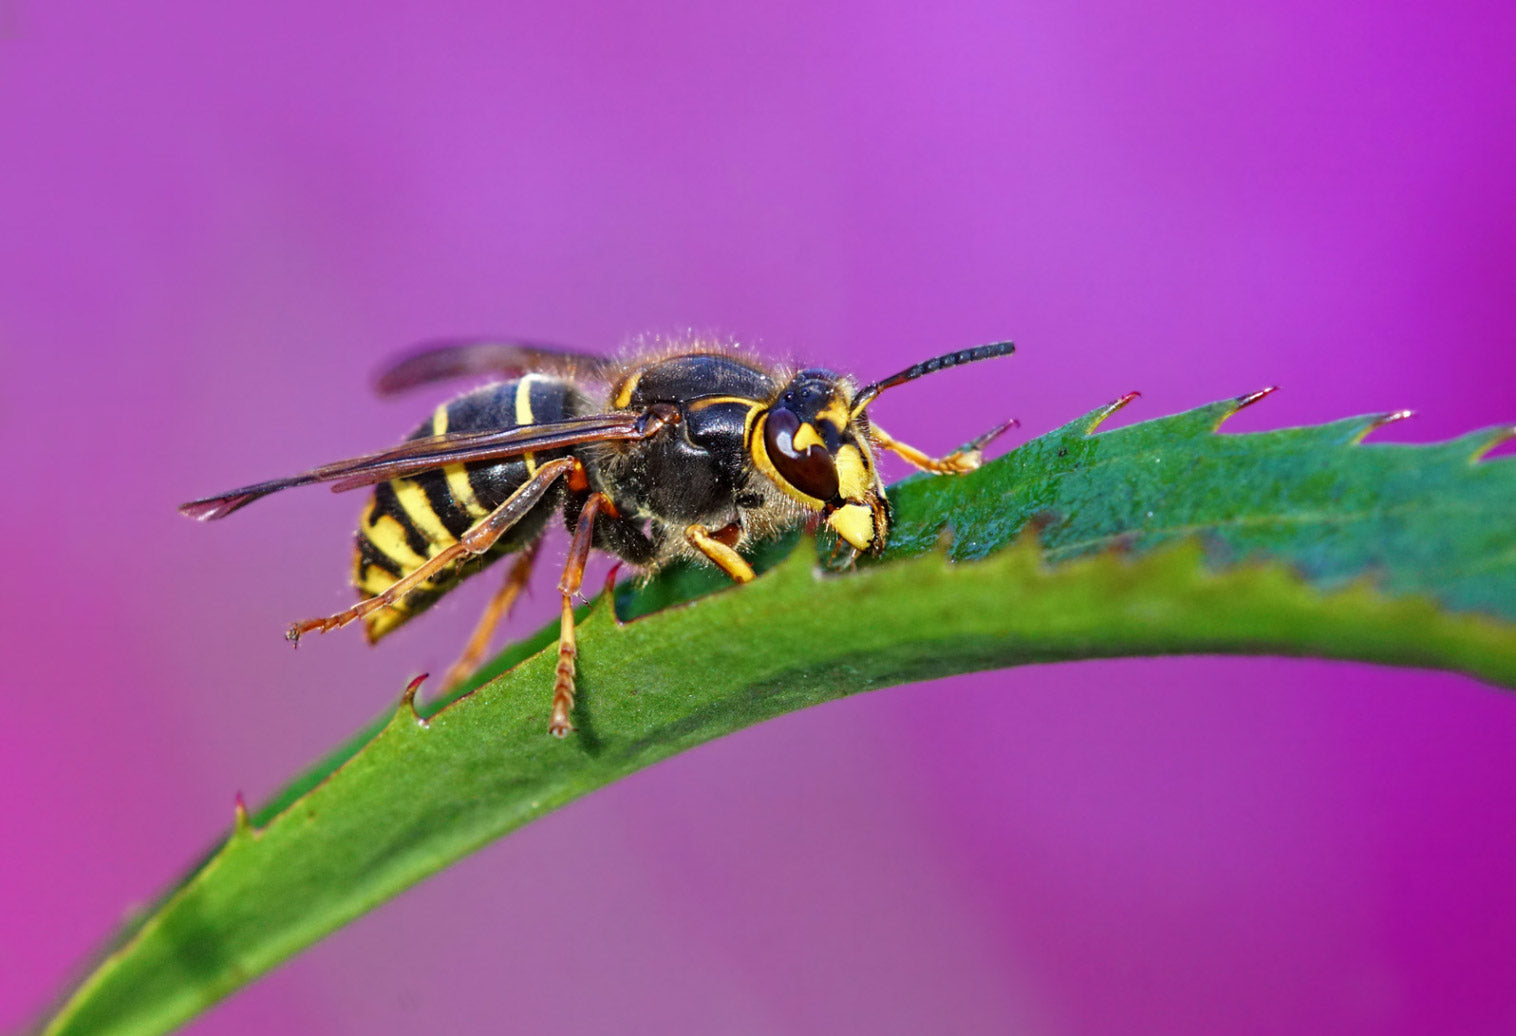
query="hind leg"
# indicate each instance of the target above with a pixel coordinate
(496, 611)
(958, 463)
(478, 539)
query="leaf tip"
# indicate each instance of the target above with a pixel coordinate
(1496, 438)
(1379, 421)
(1242, 402)
(1221, 413)
(407, 706)
(1103, 414)
(242, 823)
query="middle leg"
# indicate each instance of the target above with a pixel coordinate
(722, 554)
(568, 586)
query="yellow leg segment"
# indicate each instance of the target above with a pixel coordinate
(723, 556)
(496, 611)
(563, 677)
(958, 463)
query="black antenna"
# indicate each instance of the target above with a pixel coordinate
(937, 363)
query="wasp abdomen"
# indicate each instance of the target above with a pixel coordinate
(409, 520)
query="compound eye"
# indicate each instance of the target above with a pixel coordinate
(812, 472)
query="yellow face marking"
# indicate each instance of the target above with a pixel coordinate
(807, 437)
(458, 486)
(853, 476)
(524, 416)
(624, 395)
(835, 413)
(854, 523)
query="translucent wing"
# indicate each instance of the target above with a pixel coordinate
(419, 455)
(460, 358)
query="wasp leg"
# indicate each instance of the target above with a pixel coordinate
(957, 463)
(568, 586)
(721, 554)
(498, 608)
(478, 539)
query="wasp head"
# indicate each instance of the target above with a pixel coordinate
(811, 444)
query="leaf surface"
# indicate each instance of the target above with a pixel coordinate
(1157, 538)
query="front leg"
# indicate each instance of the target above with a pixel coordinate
(722, 554)
(960, 462)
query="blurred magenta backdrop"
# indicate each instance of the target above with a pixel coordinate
(214, 223)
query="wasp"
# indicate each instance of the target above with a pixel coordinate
(694, 452)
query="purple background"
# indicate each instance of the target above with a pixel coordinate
(213, 225)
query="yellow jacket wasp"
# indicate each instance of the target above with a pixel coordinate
(695, 452)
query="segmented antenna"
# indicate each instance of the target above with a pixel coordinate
(937, 363)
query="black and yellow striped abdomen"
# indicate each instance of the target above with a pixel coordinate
(408, 520)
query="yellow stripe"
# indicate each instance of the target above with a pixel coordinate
(702, 403)
(418, 509)
(377, 624)
(388, 536)
(373, 580)
(458, 486)
(624, 394)
(524, 416)
(366, 577)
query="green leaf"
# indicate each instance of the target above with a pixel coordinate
(1157, 538)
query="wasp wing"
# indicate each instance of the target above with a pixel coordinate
(461, 357)
(439, 451)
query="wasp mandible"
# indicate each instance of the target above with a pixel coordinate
(692, 452)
